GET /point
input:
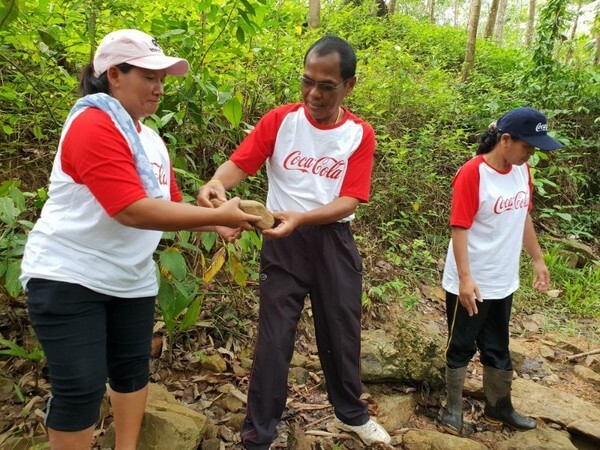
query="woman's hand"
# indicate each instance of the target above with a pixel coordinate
(233, 217)
(542, 276)
(469, 294)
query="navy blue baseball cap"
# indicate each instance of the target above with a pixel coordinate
(529, 125)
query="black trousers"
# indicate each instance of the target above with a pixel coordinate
(320, 261)
(488, 330)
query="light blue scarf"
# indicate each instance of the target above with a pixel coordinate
(122, 118)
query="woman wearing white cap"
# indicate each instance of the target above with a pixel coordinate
(88, 265)
(492, 197)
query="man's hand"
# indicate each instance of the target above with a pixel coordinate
(229, 234)
(288, 222)
(212, 189)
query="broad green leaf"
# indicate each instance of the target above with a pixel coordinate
(232, 110)
(240, 35)
(18, 197)
(208, 240)
(165, 297)
(174, 262)
(164, 120)
(9, 10)
(191, 315)
(8, 211)
(37, 132)
(12, 283)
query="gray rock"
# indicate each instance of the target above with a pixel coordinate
(585, 254)
(586, 430)
(211, 444)
(576, 415)
(538, 439)
(395, 410)
(587, 374)
(167, 424)
(433, 440)
(215, 363)
(412, 353)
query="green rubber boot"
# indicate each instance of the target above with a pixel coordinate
(498, 407)
(452, 417)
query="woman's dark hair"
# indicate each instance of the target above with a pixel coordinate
(90, 84)
(333, 44)
(489, 138)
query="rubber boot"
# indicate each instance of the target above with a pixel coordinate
(498, 407)
(452, 417)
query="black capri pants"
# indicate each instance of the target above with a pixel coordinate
(88, 338)
(488, 330)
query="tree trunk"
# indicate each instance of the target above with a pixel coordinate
(314, 13)
(571, 48)
(500, 19)
(431, 10)
(472, 39)
(491, 22)
(530, 23)
(379, 8)
(456, 12)
(597, 35)
(391, 8)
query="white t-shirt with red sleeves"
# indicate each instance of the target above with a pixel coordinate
(76, 239)
(309, 165)
(492, 206)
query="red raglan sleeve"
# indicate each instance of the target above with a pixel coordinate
(357, 181)
(258, 146)
(465, 195)
(175, 192)
(96, 154)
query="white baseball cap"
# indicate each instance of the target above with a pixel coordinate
(138, 49)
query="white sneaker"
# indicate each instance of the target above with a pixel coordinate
(369, 433)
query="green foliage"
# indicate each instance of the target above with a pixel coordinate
(551, 24)
(575, 292)
(185, 275)
(12, 236)
(245, 58)
(9, 348)
(395, 290)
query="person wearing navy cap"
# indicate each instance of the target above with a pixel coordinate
(490, 221)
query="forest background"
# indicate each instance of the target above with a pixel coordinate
(425, 83)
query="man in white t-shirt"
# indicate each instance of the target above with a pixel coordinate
(319, 158)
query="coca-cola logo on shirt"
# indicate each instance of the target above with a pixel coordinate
(325, 166)
(161, 174)
(520, 200)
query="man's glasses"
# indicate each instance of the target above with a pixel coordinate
(307, 83)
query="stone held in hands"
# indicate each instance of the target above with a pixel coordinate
(255, 208)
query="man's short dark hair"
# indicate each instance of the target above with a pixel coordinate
(330, 44)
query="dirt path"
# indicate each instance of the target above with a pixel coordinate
(308, 416)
